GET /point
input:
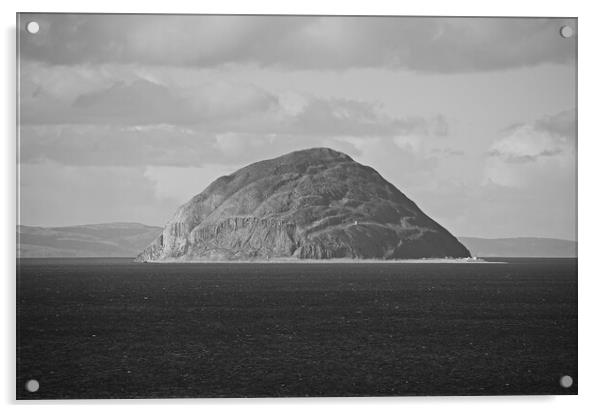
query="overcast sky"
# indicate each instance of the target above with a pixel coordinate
(124, 118)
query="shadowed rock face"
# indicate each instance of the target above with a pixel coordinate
(315, 203)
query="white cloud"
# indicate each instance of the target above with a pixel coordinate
(409, 142)
(181, 184)
(531, 153)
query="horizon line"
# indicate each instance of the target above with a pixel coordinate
(161, 226)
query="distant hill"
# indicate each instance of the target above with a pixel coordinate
(99, 240)
(520, 247)
(311, 204)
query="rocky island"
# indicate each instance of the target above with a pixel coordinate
(311, 204)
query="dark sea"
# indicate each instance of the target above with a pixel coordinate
(112, 328)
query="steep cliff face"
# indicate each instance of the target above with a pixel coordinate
(316, 203)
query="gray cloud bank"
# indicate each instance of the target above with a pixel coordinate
(218, 106)
(146, 123)
(430, 44)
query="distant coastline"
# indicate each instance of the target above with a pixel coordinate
(126, 240)
(334, 261)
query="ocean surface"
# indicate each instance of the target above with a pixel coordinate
(112, 328)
